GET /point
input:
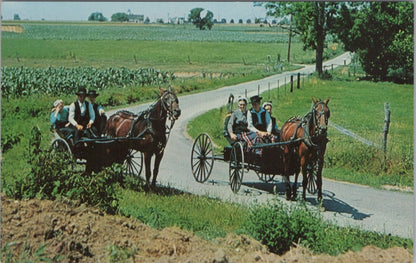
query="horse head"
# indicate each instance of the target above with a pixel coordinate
(321, 115)
(170, 103)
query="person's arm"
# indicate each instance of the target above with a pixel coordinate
(250, 122)
(71, 115)
(230, 124)
(101, 110)
(53, 119)
(269, 123)
(92, 115)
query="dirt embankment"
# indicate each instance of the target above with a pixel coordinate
(84, 234)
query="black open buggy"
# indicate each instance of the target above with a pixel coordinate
(96, 153)
(242, 160)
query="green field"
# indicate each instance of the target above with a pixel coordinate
(175, 48)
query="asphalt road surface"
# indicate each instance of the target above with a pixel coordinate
(344, 204)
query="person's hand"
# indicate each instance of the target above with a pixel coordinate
(79, 127)
(101, 112)
(66, 125)
(233, 136)
(89, 125)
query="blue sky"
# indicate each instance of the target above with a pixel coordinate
(79, 11)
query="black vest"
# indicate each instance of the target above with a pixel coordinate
(263, 125)
(95, 107)
(274, 131)
(82, 120)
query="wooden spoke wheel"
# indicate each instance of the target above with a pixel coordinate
(312, 174)
(61, 149)
(202, 157)
(236, 170)
(267, 178)
(133, 164)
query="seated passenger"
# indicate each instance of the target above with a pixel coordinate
(238, 120)
(100, 117)
(81, 114)
(275, 130)
(59, 120)
(258, 119)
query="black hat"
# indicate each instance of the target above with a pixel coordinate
(81, 91)
(93, 93)
(255, 98)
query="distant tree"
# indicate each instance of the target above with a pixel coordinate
(97, 16)
(160, 21)
(257, 21)
(311, 21)
(232, 21)
(248, 21)
(147, 20)
(201, 22)
(16, 17)
(119, 17)
(223, 21)
(381, 34)
(240, 21)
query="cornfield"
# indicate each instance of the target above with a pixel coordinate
(24, 81)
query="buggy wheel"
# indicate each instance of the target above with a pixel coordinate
(312, 170)
(267, 178)
(133, 164)
(202, 157)
(236, 170)
(60, 147)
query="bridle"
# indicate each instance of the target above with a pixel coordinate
(317, 115)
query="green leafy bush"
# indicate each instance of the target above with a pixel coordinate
(279, 226)
(52, 176)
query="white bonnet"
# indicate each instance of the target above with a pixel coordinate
(242, 98)
(56, 103)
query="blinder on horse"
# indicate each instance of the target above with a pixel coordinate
(321, 115)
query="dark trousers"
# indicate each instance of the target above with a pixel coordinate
(99, 125)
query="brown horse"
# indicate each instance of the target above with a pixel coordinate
(310, 132)
(150, 127)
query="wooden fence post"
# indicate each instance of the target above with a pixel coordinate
(291, 83)
(386, 130)
(298, 80)
(258, 90)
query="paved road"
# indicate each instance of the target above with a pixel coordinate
(344, 203)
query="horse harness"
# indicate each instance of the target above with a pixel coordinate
(146, 115)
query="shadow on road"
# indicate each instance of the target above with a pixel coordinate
(333, 204)
(329, 202)
(273, 187)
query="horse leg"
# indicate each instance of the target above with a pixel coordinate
(147, 159)
(158, 158)
(295, 188)
(288, 188)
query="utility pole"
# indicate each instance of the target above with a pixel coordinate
(290, 39)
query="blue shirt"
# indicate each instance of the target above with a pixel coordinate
(61, 117)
